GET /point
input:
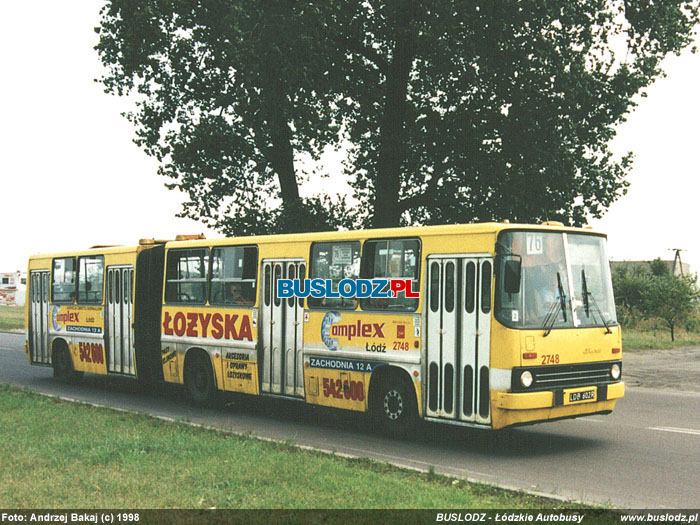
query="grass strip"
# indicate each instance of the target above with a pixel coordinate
(11, 317)
(57, 454)
(635, 339)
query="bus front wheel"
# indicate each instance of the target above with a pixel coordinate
(199, 380)
(393, 407)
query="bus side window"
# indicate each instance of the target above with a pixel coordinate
(391, 259)
(186, 276)
(63, 284)
(90, 279)
(335, 261)
(234, 275)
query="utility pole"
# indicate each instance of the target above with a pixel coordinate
(677, 260)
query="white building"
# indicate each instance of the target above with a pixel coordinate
(13, 286)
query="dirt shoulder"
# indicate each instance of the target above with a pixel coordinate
(675, 369)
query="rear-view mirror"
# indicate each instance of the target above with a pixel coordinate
(511, 276)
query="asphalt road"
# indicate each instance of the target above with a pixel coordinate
(645, 455)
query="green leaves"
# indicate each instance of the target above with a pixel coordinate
(671, 299)
(655, 293)
(451, 110)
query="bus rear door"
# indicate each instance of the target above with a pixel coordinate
(39, 316)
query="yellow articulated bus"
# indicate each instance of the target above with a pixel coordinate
(88, 311)
(484, 325)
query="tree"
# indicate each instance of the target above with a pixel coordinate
(455, 110)
(630, 285)
(659, 268)
(671, 298)
(228, 94)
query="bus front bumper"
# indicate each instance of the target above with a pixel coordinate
(530, 407)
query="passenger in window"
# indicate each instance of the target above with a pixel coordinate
(238, 296)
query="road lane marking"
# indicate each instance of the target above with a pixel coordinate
(677, 430)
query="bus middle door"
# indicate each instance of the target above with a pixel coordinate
(118, 320)
(281, 330)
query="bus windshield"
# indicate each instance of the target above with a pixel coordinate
(565, 281)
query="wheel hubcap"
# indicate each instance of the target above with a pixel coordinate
(393, 405)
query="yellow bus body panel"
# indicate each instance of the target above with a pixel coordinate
(228, 335)
(569, 345)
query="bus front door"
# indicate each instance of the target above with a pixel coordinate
(458, 323)
(281, 330)
(39, 317)
(119, 338)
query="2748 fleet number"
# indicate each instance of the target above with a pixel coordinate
(550, 359)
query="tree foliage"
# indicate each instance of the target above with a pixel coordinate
(227, 96)
(454, 110)
(630, 285)
(659, 268)
(672, 299)
(655, 293)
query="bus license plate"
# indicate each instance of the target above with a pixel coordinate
(586, 395)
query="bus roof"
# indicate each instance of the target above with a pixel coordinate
(410, 231)
(90, 251)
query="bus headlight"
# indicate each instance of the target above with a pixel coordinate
(526, 378)
(615, 371)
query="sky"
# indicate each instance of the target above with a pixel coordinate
(71, 177)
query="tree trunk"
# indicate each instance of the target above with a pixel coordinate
(386, 209)
(275, 109)
(281, 155)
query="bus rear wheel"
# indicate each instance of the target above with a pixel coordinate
(393, 407)
(63, 365)
(199, 380)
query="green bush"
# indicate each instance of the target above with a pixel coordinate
(692, 325)
(656, 294)
(630, 285)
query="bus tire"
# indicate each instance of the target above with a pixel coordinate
(199, 379)
(393, 406)
(63, 365)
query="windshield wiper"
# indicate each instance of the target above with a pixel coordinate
(562, 296)
(588, 299)
(555, 308)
